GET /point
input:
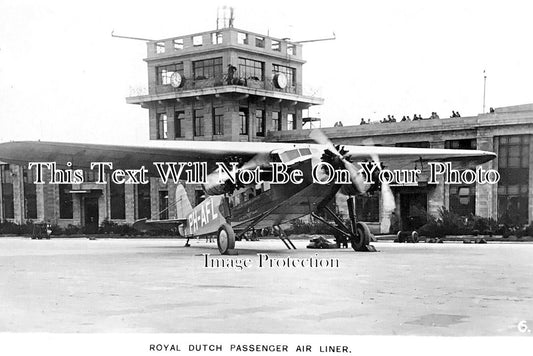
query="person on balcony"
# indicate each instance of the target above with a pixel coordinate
(231, 74)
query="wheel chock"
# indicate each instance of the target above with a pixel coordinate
(371, 248)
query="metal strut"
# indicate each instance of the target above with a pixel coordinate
(284, 238)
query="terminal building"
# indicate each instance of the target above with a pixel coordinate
(507, 131)
(235, 85)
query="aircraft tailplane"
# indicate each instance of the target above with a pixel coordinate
(183, 205)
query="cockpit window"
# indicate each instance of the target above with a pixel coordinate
(305, 151)
(289, 155)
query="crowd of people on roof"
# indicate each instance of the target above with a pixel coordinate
(391, 118)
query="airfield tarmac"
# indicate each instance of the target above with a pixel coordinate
(159, 286)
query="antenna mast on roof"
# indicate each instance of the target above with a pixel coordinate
(225, 17)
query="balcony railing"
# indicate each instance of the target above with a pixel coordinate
(221, 81)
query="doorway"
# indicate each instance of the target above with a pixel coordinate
(413, 210)
(91, 215)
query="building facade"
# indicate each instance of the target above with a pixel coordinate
(507, 131)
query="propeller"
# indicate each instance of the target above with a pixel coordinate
(388, 197)
(356, 176)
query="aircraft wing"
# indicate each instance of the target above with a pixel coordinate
(131, 157)
(416, 154)
(135, 156)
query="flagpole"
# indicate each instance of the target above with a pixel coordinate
(484, 89)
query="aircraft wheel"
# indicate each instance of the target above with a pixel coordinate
(414, 237)
(225, 239)
(362, 238)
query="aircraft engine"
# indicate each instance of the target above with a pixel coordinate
(338, 160)
(337, 156)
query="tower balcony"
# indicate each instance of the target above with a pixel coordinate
(222, 85)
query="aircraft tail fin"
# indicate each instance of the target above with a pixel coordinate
(183, 205)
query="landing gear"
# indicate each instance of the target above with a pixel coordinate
(362, 237)
(357, 233)
(226, 240)
(278, 231)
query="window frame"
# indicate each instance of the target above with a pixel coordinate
(260, 122)
(251, 69)
(162, 126)
(290, 73)
(207, 68)
(276, 122)
(243, 120)
(165, 72)
(291, 124)
(218, 121)
(198, 123)
(179, 116)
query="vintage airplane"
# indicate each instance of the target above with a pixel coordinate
(269, 206)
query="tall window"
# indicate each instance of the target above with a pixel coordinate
(248, 68)
(260, 121)
(179, 116)
(243, 116)
(65, 201)
(276, 121)
(164, 73)
(118, 201)
(289, 72)
(163, 205)
(462, 196)
(208, 68)
(30, 195)
(143, 201)
(218, 121)
(8, 205)
(291, 124)
(198, 121)
(513, 188)
(162, 126)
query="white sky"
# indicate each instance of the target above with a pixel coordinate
(63, 77)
